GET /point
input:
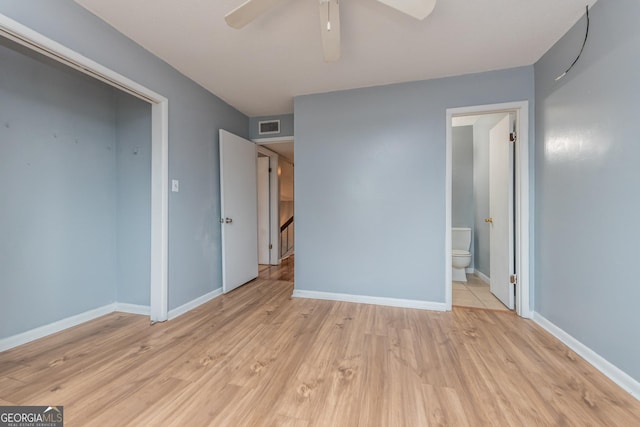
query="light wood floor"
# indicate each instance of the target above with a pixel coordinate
(256, 357)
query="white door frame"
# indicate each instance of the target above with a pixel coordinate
(521, 108)
(274, 205)
(264, 209)
(159, 146)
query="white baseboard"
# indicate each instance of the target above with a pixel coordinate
(178, 311)
(483, 277)
(469, 270)
(60, 325)
(362, 299)
(132, 308)
(614, 373)
(52, 328)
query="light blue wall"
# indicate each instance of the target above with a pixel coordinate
(462, 177)
(286, 126)
(370, 182)
(58, 193)
(587, 184)
(133, 175)
(195, 116)
(462, 209)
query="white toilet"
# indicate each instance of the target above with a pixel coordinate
(461, 257)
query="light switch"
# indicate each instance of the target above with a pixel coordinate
(175, 185)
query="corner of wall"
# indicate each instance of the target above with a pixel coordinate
(615, 374)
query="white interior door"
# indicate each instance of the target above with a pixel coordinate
(239, 211)
(263, 210)
(501, 209)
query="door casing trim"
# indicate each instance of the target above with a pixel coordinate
(522, 198)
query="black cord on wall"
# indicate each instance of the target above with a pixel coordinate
(581, 49)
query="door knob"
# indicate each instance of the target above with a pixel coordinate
(228, 220)
(489, 220)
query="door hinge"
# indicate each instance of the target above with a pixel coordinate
(269, 170)
(270, 246)
(513, 279)
(513, 137)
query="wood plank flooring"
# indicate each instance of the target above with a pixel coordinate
(256, 357)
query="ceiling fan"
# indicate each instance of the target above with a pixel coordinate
(329, 18)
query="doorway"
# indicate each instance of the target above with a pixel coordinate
(482, 203)
(38, 43)
(268, 206)
(282, 193)
(264, 214)
(516, 221)
(249, 202)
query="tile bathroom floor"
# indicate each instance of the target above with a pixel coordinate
(475, 293)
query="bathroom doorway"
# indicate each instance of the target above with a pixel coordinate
(487, 190)
(482, 161)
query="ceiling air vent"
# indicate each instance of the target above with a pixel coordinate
(268, 127)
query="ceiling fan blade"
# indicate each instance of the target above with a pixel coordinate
(330, 29)
(419, 9)
(248, 11)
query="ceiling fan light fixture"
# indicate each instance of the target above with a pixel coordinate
(329, 18)
(248, 11)
(330, 29)
(419, 9)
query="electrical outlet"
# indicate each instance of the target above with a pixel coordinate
(175, 185)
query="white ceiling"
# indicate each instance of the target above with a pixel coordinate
(284, 148)
(260, 68)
